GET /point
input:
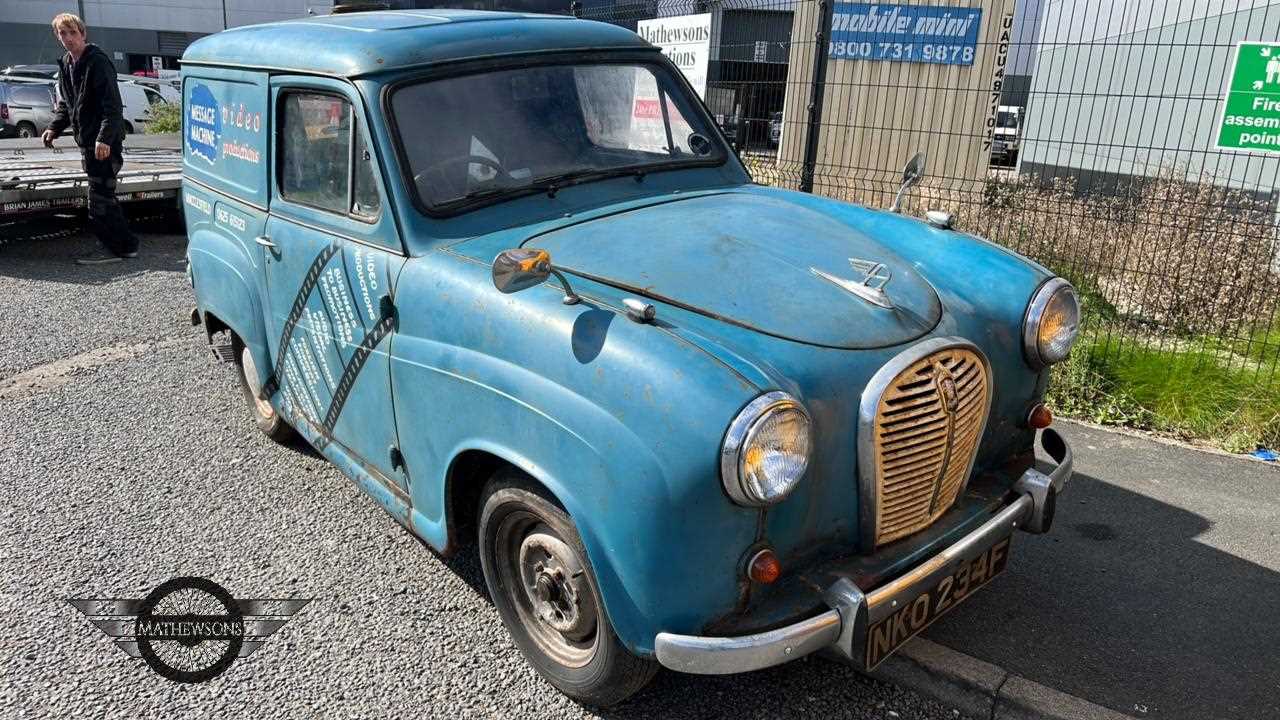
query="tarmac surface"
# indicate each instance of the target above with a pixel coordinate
(1158, 592)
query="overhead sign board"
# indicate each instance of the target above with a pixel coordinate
(686, 40)
(905, 33)
(1251, 110)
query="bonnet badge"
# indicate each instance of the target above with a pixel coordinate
(869, 287)
(947, 389)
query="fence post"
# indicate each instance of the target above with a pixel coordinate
(821, 50)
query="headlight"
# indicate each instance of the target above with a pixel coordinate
(766, 450)
(1052, 323)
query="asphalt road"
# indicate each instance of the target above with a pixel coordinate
(129, 459)
(1158, 592)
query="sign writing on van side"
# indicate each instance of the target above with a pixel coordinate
(1251, 110)
(204, 124)
(905, 33)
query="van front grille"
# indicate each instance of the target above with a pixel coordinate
(927, 426)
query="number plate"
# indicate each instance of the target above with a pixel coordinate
(916, 614)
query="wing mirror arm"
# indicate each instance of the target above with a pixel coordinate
(570, 297)
(520, 268)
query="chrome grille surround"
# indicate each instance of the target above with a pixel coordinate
(929, 480)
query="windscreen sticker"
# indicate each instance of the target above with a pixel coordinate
(204, 124)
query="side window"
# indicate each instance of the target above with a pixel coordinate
(315, 150)
(365, 201)
(153, 97)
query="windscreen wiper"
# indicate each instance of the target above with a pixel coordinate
(552, 184)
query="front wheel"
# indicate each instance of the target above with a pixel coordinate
(547, 596)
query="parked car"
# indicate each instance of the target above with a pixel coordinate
(506, 276)
(170, 90)
(1008, 135)
(137, 101)
(26, 108)
(39, 71)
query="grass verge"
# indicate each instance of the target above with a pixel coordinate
(1196, 392)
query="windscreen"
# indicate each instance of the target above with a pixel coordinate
(475, 137)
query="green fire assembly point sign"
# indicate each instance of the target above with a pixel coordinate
(1251, 111)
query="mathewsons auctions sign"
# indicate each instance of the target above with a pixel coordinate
(686, 41)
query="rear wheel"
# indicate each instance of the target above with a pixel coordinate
(264, 415)
(543, 587)
(26, 130)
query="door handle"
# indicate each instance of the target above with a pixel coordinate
(265, 241)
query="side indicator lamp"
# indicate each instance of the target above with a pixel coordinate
(1040, 417)
(764, 567)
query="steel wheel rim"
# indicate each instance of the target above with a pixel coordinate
(524, 542)
(251, 378)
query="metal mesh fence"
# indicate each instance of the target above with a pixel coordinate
(1083, 134)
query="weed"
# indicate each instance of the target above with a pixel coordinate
(165, 118)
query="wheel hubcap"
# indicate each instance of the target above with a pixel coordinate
(555, 583)
(251, 377)
(547, 583)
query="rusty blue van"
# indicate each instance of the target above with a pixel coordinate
(505, 272)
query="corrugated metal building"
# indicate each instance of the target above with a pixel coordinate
(1125, 90)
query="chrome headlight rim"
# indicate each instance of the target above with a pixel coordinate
(1045, 294)
(743, 427)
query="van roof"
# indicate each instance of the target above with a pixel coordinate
(365, 43)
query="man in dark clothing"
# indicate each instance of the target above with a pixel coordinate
(89, 103)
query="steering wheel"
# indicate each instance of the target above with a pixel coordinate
(435, 173)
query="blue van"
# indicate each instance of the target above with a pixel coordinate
(505, 272)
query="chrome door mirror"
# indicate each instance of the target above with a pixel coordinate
(914, 170)
(522, 268)
(911, 174)
(519, 269)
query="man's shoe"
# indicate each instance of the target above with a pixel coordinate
(98, 257)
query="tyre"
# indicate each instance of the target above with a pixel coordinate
(547, 595)
(26, 130)
(264, 415)
(128, 128)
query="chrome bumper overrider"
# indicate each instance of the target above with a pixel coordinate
(852, 612)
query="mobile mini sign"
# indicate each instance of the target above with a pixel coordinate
(1251, 110)
(905, 33)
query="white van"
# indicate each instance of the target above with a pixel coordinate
(136, 101)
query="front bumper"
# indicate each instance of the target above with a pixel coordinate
(844, 627)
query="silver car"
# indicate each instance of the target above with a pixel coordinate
(26, 108)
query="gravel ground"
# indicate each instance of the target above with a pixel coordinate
(139, 464)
